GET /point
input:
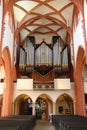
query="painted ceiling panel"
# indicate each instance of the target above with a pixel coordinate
(27, 17)
(43, 10)
(54, 27)
(58, 4)
(62, 33)
(43, 21)
(23, 33)
(19, 14)
(27, 5)
(32, 27)
(67, 16)
(43, 30)
(57, 17)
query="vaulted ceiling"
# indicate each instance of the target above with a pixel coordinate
(44, 17)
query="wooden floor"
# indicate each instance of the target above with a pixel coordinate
(43, 125)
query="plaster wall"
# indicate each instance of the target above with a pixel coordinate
(52, 94)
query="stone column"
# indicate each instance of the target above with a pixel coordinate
(79, 83)
(33, 108)
(54, 108)
(74, 107)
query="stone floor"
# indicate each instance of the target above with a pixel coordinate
(43, 125)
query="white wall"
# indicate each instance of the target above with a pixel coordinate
(85, 87)
(1, 88)
(85, 11)
(8, 39)
(24, 84)
(62, 84)
(0, 19)
(78, 36)
(34, 94)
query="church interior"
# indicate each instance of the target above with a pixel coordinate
(43, 57)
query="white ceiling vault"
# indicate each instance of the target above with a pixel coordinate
(44, 17)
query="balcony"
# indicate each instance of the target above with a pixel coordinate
(43, 87)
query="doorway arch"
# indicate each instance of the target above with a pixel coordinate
(44, 106)
(64, 104)
(23, 105)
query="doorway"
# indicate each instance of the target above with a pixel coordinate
(44, 106)
(41, 108)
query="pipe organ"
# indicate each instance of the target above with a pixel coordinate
(43, 58)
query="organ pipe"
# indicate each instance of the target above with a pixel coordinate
(43, 55)
(22, 59)
(30, 53)
(60, 56)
